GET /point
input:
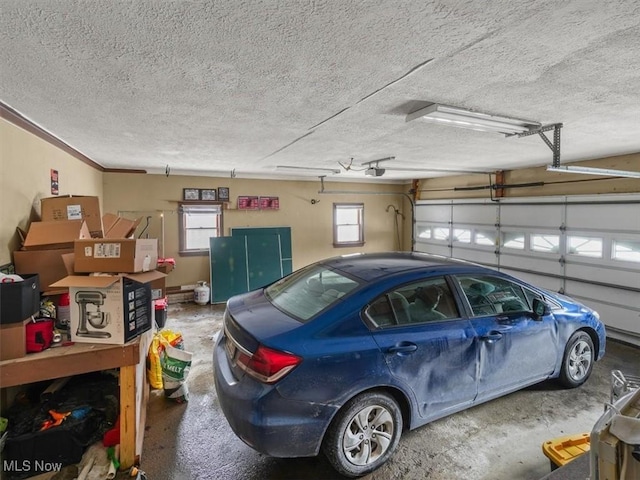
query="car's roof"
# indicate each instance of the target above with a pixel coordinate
(370, 266)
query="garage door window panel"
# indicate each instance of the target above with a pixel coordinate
(424, 232)
(626, 250)
(485, 237)
(545, 243)
(584, 246)
(441, 233)
(462, 235)
(514, 240)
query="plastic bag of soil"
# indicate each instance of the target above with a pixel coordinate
(175, 368)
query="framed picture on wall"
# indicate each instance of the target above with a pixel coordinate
(190, 194)
(223, 194)
(208, 194)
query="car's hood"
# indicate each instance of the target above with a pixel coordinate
(258, 317)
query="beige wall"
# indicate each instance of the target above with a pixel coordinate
(311, 224)
(553, 183)
(25, 177)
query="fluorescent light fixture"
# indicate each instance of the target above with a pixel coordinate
(292, 168)
(593, 171)
(482, 122)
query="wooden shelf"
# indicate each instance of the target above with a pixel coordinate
(66, 361)
(81, 358)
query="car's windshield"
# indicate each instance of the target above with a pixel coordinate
(306, 292)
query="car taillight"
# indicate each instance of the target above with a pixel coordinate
(267, 365)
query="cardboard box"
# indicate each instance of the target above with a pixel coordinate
(158, 288)
(48, 264)
(119, 227)
(71, 207)
(19, 300)
(55, 234)
(109, 308)
(124, 255)
(13, 340)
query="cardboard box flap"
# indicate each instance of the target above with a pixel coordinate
(68, 259)
(108, 221)
(145, 277)
(105, 281)
(119, 227)
(55, 232)
(98, 281)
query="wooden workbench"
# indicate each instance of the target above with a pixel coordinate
(92, 357)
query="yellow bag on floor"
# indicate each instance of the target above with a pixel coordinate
(154, 368)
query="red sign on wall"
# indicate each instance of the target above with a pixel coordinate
(54, 182)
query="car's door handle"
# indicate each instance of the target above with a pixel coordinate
(403, 348)
(491, 337)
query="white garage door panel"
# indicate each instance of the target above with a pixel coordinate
(599, 217)
(591, 293)
(433, 248)
(433, 213)
(484, 257)
(620, 277)
(548, 283)
(539, 264)
(544, 216)
(475, 214)
(624, 321)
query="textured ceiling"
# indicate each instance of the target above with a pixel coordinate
(207, 87)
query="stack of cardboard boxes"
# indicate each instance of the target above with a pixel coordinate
(107, 273)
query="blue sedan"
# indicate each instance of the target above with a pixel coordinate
(342, 355)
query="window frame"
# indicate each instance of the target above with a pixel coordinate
(477, 310)
(182, 230)
(408, 291)
(358, 243)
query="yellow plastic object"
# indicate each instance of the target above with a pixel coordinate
(154, 369)
(562, 450)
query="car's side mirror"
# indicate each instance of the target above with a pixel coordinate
(540, 309)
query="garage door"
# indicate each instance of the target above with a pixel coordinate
(588, 249)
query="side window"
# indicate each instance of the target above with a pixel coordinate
(348, 224)
(493, 295)
(196, 224)
(420, 302)
(389, 310)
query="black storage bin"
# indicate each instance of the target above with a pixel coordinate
(19, 300)
(40, 452)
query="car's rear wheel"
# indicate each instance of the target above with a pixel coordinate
(364, 434)
(577, 362)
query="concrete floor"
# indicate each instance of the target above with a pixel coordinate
(500, 440)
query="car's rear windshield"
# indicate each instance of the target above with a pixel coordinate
(308, 291)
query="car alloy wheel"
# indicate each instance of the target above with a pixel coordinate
(364, 434)
(578, 360)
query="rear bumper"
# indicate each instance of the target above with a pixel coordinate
(263, 419)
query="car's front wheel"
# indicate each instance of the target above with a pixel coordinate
(364, 434)
(578, 359)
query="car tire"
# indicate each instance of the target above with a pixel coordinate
(577, 361)
(364, 434)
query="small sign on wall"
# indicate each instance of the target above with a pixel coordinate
(269, 203)
(54, 182)
(248, 203)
